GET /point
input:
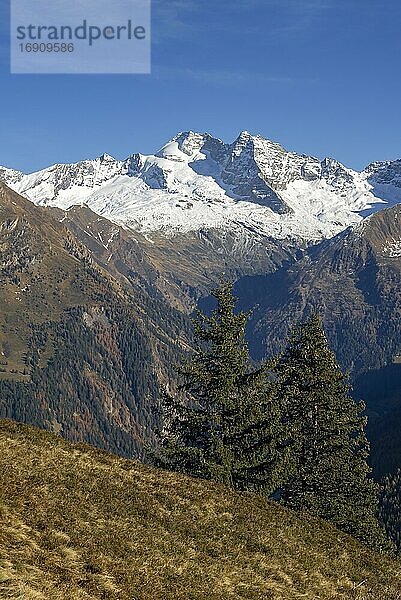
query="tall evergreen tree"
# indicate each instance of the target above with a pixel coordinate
(224, 421)
(329, 475)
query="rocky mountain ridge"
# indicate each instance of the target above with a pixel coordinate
(252, 187)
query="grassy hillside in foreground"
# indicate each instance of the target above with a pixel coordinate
(77, 523)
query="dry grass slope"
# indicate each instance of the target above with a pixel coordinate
(80, 524)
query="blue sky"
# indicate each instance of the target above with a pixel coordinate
(322, 77)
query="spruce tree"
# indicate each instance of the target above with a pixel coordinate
(224, 421)
(329, 476)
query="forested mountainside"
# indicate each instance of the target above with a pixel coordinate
(80, 353)
(82, 524)
(381, 390)
(352, 281)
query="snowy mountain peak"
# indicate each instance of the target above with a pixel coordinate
(190, 142)
(330, 164)
(107, 158)
(184, 147)
(244, 137)
(10, 176)
(386, 172)
(253, 187)
(244, 142)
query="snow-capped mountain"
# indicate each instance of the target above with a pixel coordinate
(10, 176)
(195, 182)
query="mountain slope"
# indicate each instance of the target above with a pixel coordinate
(83, 353)
(182, 267)
(252, 187)
(81, 524)
(352, 281)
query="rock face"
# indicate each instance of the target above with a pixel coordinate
(253, 188)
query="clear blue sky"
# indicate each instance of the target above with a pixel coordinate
(320, 76)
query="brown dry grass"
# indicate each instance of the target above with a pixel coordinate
(81, 524)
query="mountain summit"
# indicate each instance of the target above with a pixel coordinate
(197, 182)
